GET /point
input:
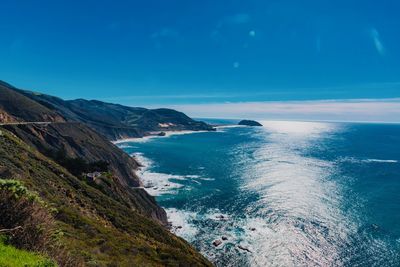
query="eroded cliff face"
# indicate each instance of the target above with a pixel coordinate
(6, 118)
(80, 141)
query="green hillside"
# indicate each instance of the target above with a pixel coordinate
(12, 257)
(97, 228)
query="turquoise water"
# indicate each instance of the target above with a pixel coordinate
(287, 194)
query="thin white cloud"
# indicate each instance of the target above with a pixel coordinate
(215, 93)
(383, 110)
(377, 41)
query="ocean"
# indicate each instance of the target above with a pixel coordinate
(286, 194)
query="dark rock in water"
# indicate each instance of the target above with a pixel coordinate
(216, 243)
(252, 229)
(244, 248)
(221, 217)
(161, 134)
(224, 238)
(375, 226)
(249, 123)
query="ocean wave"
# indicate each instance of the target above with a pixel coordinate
(157, 184)
(151, 137)
(358, 160)
(381, 160)
(182, 223)
(124, 145)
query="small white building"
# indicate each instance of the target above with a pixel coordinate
(93, 175)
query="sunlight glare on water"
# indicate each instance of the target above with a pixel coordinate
(286, 194)
(298, 204)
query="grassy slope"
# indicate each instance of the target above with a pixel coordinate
(12, 257)
(97, 228)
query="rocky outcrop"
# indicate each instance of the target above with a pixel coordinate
(5, 117)
(249, 123)
(217, 242)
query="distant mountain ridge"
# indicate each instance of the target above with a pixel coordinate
(15, 107)
(117, 121)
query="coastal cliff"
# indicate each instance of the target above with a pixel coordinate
(117, 121)
(61, 150)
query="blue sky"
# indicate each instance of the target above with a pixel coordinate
(179, 52)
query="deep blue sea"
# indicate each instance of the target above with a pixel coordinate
(286, 194)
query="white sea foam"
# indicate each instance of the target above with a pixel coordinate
(124, 145)
(381, 160)
(193, 176)
(216, 214)
(357, 160)
(156, 183)
(182, 223)
(229, 126)
(185, 224)
(206, 179)
(150, 137)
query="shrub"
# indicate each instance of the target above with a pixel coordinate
(23, 211)
(28, 223)
(78, 165)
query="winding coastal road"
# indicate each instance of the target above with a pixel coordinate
(28, 122)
